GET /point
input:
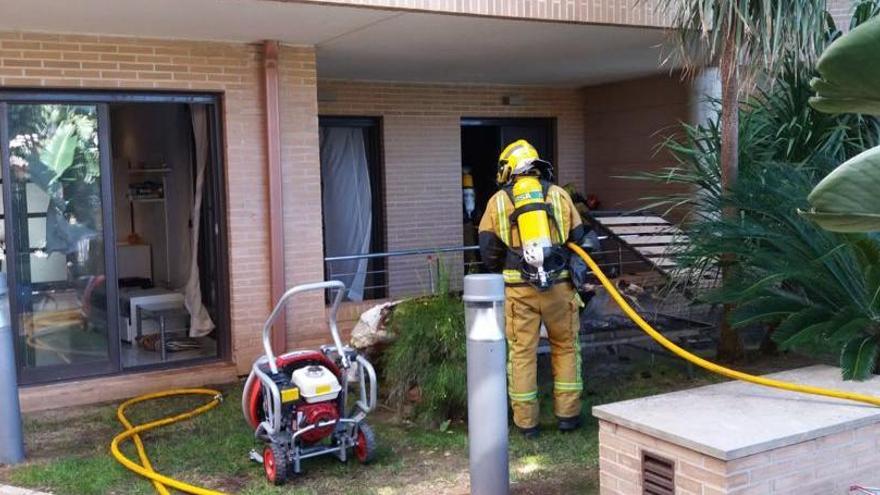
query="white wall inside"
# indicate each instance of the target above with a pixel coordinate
(155, 136)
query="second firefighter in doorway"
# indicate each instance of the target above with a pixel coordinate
(522, 235)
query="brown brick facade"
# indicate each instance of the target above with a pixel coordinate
(422, 153)
(625, 124)
(620, 12)
(303, 235)
(30, 60)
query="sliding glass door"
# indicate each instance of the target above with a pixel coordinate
(103, 193)
(59, 239)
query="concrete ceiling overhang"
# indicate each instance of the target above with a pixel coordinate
(369, 43)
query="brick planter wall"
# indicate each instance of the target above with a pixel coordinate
(736, 438)
(823, 466)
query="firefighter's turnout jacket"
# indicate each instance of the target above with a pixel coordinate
(526, 307)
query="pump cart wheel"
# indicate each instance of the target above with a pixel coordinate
(275, 464)
(365, 446)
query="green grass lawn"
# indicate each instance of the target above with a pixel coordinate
(68, 450)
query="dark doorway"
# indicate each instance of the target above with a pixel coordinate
(353, 204)
(482, 140)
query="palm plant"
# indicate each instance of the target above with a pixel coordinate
(744, 38)
(819, 288)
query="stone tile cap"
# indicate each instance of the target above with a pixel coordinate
(736, 419)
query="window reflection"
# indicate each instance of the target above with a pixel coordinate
(57, 216)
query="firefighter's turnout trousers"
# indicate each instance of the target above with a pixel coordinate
(525, 308)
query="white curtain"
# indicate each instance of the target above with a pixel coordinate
(348, 216)
(200, 321)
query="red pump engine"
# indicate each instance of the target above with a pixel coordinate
(312, 414)
(305, 412)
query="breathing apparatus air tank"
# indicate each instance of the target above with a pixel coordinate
(533, 224)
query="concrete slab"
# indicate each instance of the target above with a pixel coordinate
(14, 490)
(735, 419)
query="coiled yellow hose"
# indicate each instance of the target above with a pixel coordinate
(145, 468)
(708, 365)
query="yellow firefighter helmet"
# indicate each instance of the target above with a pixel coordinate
(518, 158)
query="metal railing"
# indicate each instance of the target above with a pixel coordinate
(378, 275)
(430, 263)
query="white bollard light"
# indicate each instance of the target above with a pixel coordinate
(487, 384)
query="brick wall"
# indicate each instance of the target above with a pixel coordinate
(303, 234)
(78, 61)
(623, 12)
(422, 153)
(625, 123)
(823, 466)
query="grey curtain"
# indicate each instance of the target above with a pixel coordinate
(200, 321)
(347, 203)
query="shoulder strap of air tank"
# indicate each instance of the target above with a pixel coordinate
(556, 201)
(503, 218)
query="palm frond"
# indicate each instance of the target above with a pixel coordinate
(766, 32)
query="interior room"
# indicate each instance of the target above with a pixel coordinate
(155, 187)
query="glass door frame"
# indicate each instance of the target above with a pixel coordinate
(50, 373)
(218, 186)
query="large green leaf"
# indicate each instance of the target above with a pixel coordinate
(848, 199)
(768, 308)
(858, 358)
(849, 72)
(809, 336)
(848, 331)
(57, 153)
(797, 322)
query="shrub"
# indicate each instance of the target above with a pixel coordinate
(429, 356)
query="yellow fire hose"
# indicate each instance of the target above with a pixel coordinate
(145, 468)
(162, 482)
(708, 365)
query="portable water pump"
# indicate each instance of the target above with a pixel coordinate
(299, 405)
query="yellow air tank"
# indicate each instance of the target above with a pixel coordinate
(533, 225)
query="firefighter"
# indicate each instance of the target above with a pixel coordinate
(522, 235)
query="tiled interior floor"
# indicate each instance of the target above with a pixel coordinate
(134, 355)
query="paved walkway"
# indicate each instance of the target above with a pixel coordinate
(11, 490)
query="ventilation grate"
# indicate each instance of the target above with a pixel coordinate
(658, 475)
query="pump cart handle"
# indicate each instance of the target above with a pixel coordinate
(334, 330)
